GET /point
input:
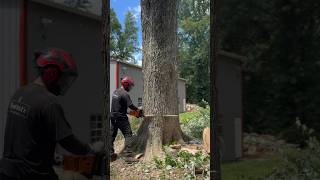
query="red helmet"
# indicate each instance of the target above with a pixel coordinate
(63, 61)
(127, 83)
(58, 57)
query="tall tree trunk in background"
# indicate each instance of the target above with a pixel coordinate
(161, 124)
(215, 172)
(106, 66)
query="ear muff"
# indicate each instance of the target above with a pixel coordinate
(50, 76)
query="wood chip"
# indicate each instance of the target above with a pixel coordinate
(175, 146)
(198, 171)
(138, 156)
(192, 151)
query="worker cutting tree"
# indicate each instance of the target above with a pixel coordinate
(36, 121)
(121, 101)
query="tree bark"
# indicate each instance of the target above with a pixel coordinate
(106, 66)
(215, 172)
(159, 33)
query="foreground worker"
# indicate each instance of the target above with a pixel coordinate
(36, 121)
(121, 101)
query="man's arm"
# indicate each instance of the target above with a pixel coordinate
(129, 103)
(75, 146)
(133, 107)
(60, 131)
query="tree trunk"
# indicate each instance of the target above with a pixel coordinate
(161, 124)
(215, 172)
(106, 65)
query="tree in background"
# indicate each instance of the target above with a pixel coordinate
(124, 43)
(281, 40)
(193, 33)
(115, 32)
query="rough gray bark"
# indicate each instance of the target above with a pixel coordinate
(106, 65)
(159, 33)
(215, 172)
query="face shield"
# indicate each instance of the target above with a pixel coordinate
(130, 87)
(65, 82)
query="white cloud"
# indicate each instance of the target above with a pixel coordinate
(138, 57)
(136, 11)
(140, 62)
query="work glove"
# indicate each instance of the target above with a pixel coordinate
(97, 147)
(140, 112)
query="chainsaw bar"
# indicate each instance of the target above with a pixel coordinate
(165, 115)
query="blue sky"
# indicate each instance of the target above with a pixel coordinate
(121, 7)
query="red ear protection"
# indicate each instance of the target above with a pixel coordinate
(50, 77)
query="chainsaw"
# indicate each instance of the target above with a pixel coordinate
(87, 165)
(137, 113)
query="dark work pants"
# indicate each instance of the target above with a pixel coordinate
(123, 124)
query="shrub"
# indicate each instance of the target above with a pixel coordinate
(193, 123)
(203, 103)
(186, 161)
(297, 134)
(302, 164)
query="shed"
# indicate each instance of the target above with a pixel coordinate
(229, 91)
(120, 69)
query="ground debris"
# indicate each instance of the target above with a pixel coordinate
(258, 145)
(175, 146)
(138, 156)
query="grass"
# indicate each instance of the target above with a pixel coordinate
(249, 169)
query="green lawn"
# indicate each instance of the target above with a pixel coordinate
(249, 168)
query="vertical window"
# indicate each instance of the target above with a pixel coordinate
(139, 102)
(96, 127)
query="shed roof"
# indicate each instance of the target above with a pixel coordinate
(233, 57)
(68, 9)
(135, 66)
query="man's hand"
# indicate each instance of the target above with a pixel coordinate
(97, 147)
(140, 112)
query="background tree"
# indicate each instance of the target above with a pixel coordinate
(281, 40)
(115, 33)
(124, 42)
(193, 36)
(159, 32)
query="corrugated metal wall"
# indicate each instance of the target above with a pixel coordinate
(182, 95)
(9, 57)
(136, 73)
(137, 92)
(113, 81)
(81, 36)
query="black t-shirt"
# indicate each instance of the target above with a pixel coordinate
(120, 102)
(35, 123)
